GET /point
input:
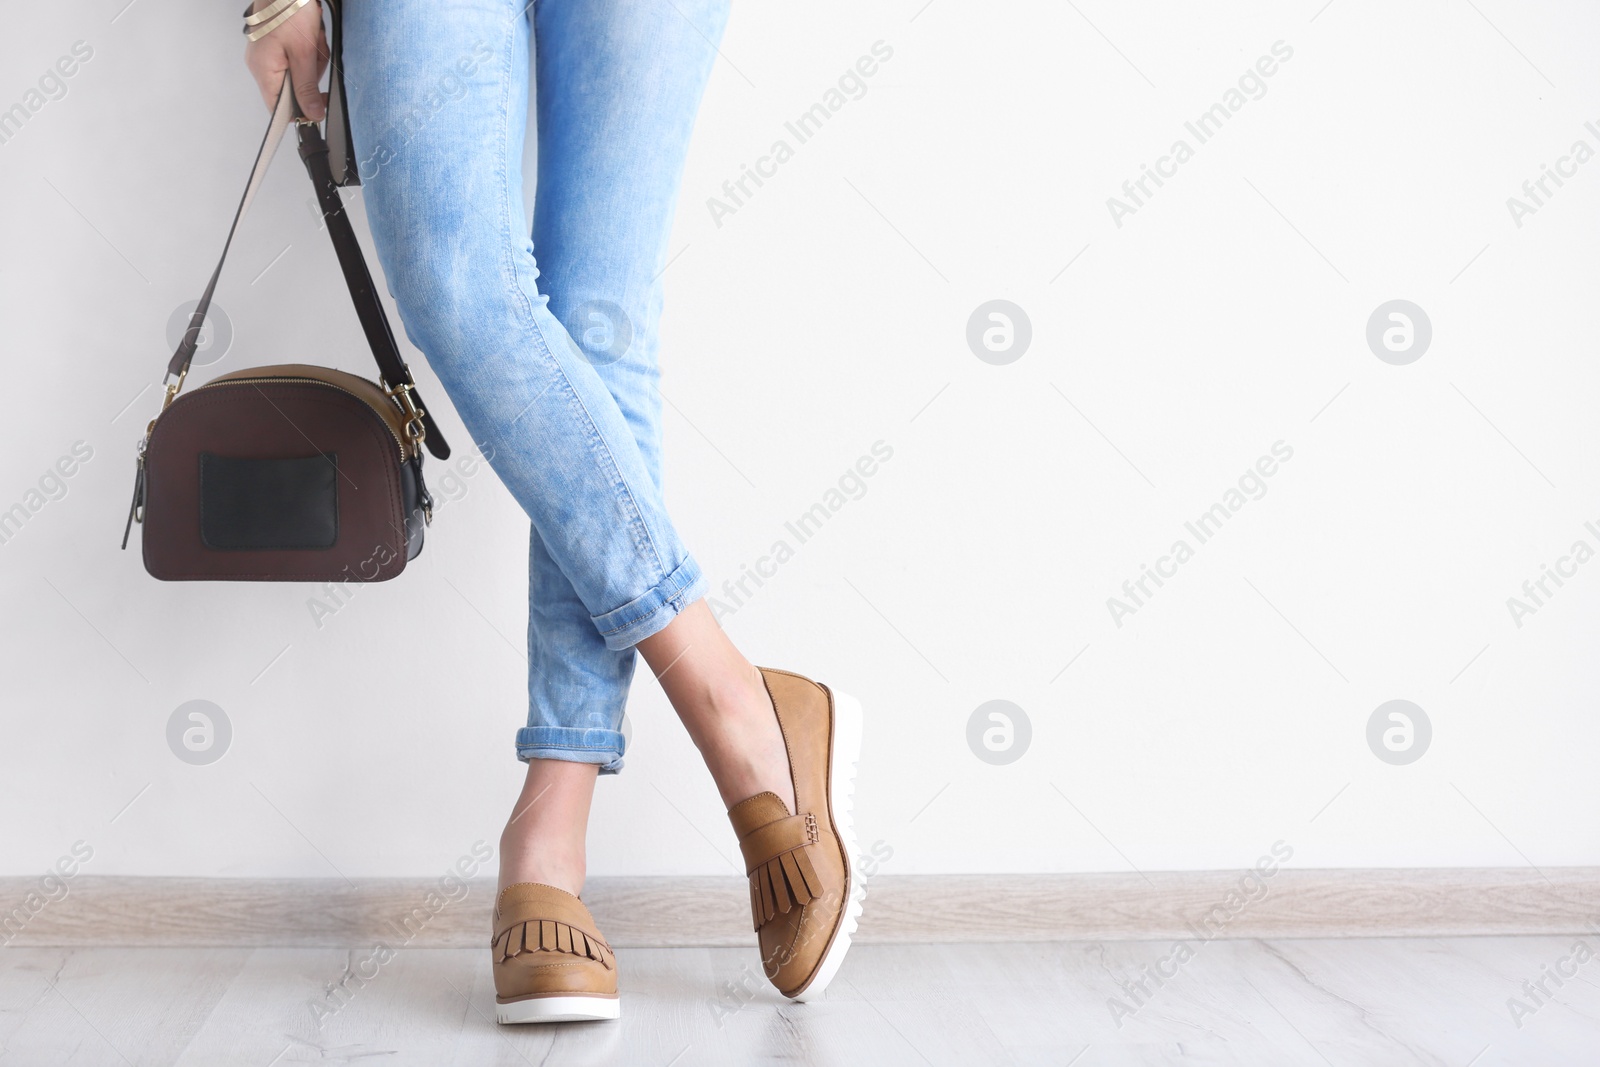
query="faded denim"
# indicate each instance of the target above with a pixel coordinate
(439, 96)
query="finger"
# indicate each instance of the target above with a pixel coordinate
(306, 70)
(268, 66)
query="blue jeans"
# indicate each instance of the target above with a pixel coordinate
(551, 367)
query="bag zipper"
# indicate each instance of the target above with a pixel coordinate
(136, 509)
(326, 385)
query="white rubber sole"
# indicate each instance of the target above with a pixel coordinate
(558, 1010)
(847, 728)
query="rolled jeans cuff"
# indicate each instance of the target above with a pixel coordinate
(636, 620)
(573, 744)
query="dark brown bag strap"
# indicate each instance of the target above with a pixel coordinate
(369, 309)
(395, 374)
(341, 145)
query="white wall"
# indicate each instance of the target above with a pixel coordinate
(826, 314)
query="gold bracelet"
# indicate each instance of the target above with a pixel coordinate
(265, 13)
(271, 17)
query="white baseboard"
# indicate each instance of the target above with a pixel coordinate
(637, 912)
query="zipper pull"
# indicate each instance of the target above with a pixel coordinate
(136, 509)
(424, 497)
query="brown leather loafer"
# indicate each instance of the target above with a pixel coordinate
(550, 963)
(803, 894)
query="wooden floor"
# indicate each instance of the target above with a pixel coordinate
(1356, 1002)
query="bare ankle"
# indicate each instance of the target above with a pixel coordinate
(544, 838)
(747, 755)
(524, 860)
(729, 693)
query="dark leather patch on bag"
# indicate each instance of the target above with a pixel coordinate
(269, 503)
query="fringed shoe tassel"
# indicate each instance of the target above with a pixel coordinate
(781, 883)
(784, 875)
(546, 935)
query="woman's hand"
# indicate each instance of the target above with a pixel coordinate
(298, 47)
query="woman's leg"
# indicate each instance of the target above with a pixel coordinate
(619, 84)
(439, 96)
(439, 103)
(439, 99)
(439, 92)
(607, 182)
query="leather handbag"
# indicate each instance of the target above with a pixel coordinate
(288, 472)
